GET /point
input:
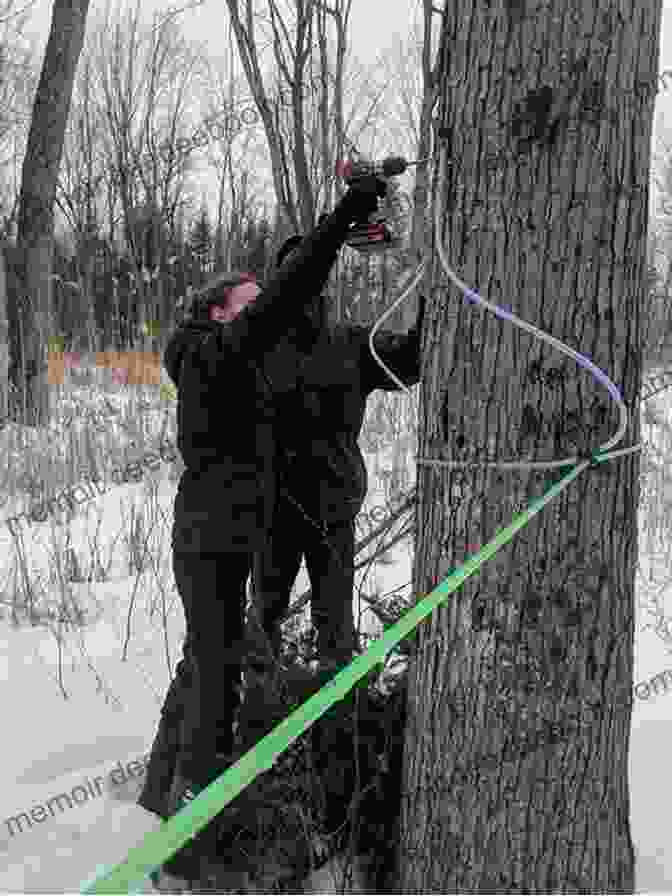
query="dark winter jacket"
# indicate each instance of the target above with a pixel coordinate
(320, 377)
(225, 415)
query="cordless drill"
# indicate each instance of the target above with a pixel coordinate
(376, 233)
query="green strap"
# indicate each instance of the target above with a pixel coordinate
(158, 846)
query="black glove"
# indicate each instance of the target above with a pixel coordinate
(361, 200)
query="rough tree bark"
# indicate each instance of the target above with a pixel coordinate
(30, 309)
(516, 760)
(4, 340)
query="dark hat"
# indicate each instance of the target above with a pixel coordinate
(288, 246)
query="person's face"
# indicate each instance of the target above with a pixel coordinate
(238, 298)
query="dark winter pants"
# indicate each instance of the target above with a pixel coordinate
(330, 560)
(196, 722)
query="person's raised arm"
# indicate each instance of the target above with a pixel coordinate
(304, 273)
(302, 276)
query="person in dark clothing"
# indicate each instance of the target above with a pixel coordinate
(224, 504)
(321, 376)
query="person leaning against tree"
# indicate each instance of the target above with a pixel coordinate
(321, 375)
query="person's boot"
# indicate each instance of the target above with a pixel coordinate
(185, 864)
(161, 768)
(199, 854)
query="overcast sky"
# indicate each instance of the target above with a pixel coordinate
(375, 22)
(375, 25)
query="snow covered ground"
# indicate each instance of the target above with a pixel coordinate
(79, 716)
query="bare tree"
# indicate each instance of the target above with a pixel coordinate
(29, 307)
(83, 174)
(657, 333)
(409, 73)
(18, 81)
(306, 132)
(520, 690)
(148, 79)
(332, 108)
(235, 149)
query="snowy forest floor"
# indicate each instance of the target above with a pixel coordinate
(91, 627)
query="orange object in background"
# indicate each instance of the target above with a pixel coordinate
(111, 360)
(55, 368)
(142, 368)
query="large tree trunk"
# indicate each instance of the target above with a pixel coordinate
(4, 340)
(30, 308)
(516, 759)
